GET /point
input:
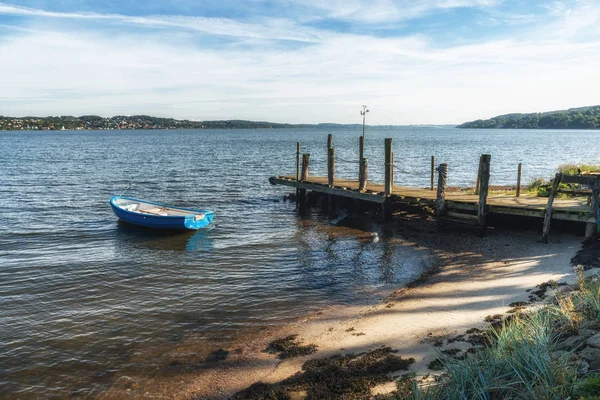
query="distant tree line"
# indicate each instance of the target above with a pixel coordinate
(85, 122)
(574, 118)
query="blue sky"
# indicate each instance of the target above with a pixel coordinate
(428, 61)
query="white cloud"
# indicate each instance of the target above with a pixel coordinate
(403, 80)
(374, 11)
(273, 29)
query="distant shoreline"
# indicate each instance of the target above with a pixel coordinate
(139, 122)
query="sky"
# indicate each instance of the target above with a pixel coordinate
(303, 61)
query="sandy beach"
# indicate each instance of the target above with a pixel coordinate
(471, 278)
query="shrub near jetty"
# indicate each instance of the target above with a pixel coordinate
(546, 353)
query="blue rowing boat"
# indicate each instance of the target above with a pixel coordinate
(159, 216)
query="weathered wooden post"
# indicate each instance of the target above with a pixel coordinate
(432, 170)
(593, 228)
(596, 204)
(548, 215)
(297, 171)
(389, 167)
(478, 176)
(331, 166)
(329, 141)
(519, 180)
(364, 174)
(305, 160)
(484, 183)
(361, 153)
(440, 201)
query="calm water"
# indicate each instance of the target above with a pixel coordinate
(85, 299)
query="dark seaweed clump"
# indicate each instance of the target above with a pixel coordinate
(289, 347)
(349, 376)
(589, 254)
(436, 365)
(217, 355)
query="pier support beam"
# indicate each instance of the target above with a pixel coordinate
(389, 167)
(331, 166)
(484, 183)
(478, 176)
(361, 154)
(364, 174)
(432, 171)
(440, 201)
(305, 161)
(519, 179)
(593, 228)
(297, 172)
(548, 215)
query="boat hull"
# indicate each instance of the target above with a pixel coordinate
(192, 221)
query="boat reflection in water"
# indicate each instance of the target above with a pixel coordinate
(189, 241)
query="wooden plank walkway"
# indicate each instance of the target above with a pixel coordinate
(562, 209)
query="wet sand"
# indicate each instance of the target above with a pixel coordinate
(470, 279)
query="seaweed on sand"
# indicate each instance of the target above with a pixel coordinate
(288, 347)
(349, 376)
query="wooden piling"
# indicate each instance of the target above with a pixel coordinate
(364, 174)
(389, 167)
(331, 166)
(519, 180)
(548, 215)
(361, 153)
(305, 160)
(440, 201)
(297, 171)
(484, 181)
(329, 141)
(432, 170)
(478, 176)
(595, 210)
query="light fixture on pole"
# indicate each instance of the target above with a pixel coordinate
(364, 113)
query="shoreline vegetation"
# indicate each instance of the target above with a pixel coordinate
(545, 346)
(573, 118)
(133, 122)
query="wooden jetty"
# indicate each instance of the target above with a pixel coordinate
(450, 207)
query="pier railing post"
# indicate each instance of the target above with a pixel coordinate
(478, 176)
(364, 174)
(548, 215)
(519, 179)
(440, 201)
(432, 170)
(483, 191)
(331, 166)
(305, 160)
(389, 167)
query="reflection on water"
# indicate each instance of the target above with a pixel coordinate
(177, 240)
(86, 301)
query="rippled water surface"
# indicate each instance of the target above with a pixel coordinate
(84, 299)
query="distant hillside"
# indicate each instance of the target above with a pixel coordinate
(573, 118)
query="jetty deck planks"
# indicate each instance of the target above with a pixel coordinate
(563, 209)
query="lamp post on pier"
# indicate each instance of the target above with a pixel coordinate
(362, 146)
(364, 113)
